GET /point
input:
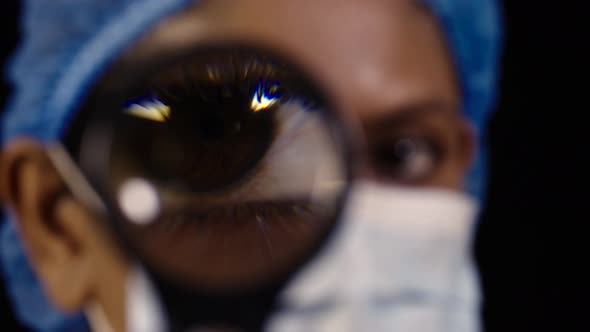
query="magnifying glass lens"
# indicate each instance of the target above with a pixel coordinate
(225, 169)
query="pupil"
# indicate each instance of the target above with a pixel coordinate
(405, 150)
(210, 113)
(209, 126)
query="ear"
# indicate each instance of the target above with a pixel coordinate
(58, 234)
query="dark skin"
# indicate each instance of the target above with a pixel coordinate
(384, 62)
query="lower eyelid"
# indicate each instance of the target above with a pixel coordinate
(242, 211)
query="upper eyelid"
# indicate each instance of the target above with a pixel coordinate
(424, 122)
(164, 70)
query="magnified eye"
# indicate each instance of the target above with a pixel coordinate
(225, 159)
(408, 159)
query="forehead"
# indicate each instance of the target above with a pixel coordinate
(373, 54)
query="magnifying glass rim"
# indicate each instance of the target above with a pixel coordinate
(93, 168)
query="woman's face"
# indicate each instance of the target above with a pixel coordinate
(383, 62)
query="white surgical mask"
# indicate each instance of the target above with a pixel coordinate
(400, 261)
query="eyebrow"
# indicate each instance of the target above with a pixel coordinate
(409, 113)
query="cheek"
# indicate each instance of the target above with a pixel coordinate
(451, 176)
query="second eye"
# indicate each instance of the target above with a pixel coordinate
(407, 159)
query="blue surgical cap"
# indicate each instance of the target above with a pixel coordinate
(66, 44)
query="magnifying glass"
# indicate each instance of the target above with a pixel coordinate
(222, 170)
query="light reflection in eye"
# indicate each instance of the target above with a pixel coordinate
(139, 201)
(264, 97)
(153, 110)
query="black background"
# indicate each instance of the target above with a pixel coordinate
(532, 247)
